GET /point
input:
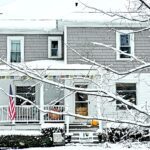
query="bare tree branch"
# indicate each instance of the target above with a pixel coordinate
(66, 113)
(143, 2)
(113, 14)
(121, 52)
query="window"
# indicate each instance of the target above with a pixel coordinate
(125, 43)
(54, 47)
(128, 92)
(81, 102)
(26, 92)
(15, 49)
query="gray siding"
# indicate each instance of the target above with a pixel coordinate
(80, 38)
(35, 46)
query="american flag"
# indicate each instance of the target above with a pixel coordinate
(11, 108)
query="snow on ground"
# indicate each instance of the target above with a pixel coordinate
(107, 146)
(19, 132)
(52, 125)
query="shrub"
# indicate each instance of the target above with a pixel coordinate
(23, 141)
(115, 135)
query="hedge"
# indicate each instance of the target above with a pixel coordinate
(115, 135)
(25, 141)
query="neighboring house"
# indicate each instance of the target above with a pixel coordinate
(47, 53)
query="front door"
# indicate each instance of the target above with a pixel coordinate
(81, 102)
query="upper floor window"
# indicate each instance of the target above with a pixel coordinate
(54, 47)
(15, 49)
(128, 92)
(125, 43)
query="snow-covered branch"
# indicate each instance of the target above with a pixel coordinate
(66, 113)
(89, 91)
(121, 52)
(123, 16)
(141, 67)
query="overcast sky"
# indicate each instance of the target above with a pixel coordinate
(50, 10)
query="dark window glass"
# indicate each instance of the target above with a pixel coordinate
(26, 92)
(54, 48)
(128, 92)
(125, 45)
(125, 40)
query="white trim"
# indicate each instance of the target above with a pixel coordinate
(95, 23)
(55, 38)
(65, 46)
(130, 32)
(30, 31)
(9, 38)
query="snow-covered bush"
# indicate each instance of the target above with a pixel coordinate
(24, 141)
(49, 133)
(115, 135)
(21, 141)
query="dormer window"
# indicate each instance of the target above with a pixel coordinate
(54, 47)
(125, 43)
(15, 49)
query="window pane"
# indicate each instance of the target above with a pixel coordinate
(15, 57)
(26, 92)
(15, 46)
(126, 86)
(125, 50)
(128, 92)
(80, 96)
(54, 44)
(54, 52)
(124, 40)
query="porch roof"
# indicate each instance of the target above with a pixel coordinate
(53, 67)
(49, 65)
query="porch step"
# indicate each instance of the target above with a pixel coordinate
(77, 139)
(83, 133)
(82, 128)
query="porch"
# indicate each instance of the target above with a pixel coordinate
(27, 114)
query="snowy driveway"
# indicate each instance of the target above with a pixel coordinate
(127, 146)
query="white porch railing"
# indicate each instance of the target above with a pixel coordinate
(30, 114)
(54, 117)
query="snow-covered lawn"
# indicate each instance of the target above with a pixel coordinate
(120, 146)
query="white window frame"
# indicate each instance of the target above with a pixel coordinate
(130, 32)
(55, 38)
(9, 39)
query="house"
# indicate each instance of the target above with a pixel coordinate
(49, 53)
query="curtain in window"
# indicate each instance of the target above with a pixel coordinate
(15, 51)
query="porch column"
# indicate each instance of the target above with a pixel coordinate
(41, 102)
(99, 114)
(67, 120)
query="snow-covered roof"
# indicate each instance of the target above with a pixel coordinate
(50, 65)
(96, 23)
(29, 27)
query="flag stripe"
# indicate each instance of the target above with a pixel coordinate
(11, 108)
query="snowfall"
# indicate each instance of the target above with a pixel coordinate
(106, 146)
